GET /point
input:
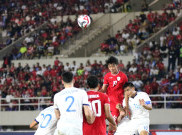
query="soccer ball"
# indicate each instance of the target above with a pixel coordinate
(84, 21)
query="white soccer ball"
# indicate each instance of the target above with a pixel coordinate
(84, 21)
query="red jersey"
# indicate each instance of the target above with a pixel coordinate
(115, 86)
(97, 101)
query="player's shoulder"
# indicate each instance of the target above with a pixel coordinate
(108, 74)
(99, 94)
(122, 74)
(48, 109)
(96, 92)
(57, 94)
(142, 94)
(103, 94)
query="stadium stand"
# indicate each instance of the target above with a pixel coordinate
(156, 68)
(136, 31)
(146, 71)
(16, 23)
(175, 4)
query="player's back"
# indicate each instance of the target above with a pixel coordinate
(70, 103)
(47, 122)
(97, 101)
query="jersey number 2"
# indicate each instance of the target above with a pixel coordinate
(93, 105)
(72, 101)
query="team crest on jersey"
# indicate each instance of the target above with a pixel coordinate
(118, 78)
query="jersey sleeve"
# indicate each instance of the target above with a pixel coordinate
(146, 98)
(55, 103)
(125, 78)
(106, 80)
(85, 99)
(106, 99)
(38, 119)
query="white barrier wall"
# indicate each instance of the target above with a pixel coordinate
(157, 116)
(83, 60)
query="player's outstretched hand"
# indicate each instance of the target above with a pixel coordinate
(121, 110)
(114, 127)
(118, 106)
(142, 102)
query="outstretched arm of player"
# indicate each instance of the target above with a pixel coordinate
(121, 111)
(34, 125)
(104, 88)
(146, 106)
(57, 112)
(109, 116)
(89, 114)
(127, 103)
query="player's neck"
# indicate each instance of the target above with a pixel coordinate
(93, 90)
(68, 85)
(114, 73)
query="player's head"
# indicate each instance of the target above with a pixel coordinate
(67, 78)
(112, 64)
(129, 88)
(93, 82)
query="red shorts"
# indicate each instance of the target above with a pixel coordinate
(115, 112)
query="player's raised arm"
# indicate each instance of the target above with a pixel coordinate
(126, 103)
(121, 113)
(109, 116)
(90, 117)
(146, 102)
(104, 88)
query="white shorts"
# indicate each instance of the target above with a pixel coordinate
(58, 132)
(124, 127)
(138, 125)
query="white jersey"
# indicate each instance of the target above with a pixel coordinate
(70, 103)
(137, 111)
(47, 122)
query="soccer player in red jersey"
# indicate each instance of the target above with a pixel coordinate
(113, 86)
(99, 102)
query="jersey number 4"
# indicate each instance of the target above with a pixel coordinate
(96, 104)
(70, 98)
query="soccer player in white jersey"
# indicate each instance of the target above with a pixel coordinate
(139, 104)
(45, 123)
(70, 104)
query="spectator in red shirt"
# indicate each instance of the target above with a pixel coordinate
(154, 86)
(56, 62)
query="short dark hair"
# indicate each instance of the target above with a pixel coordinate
(128, 84)
(67, 77)
(92, 82)
(112, 60)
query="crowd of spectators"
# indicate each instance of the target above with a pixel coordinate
(18, 18)
(175, 4)
(146, 71)
(46, 42)
(139, 29)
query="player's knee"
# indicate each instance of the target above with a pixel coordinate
(143, 132)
